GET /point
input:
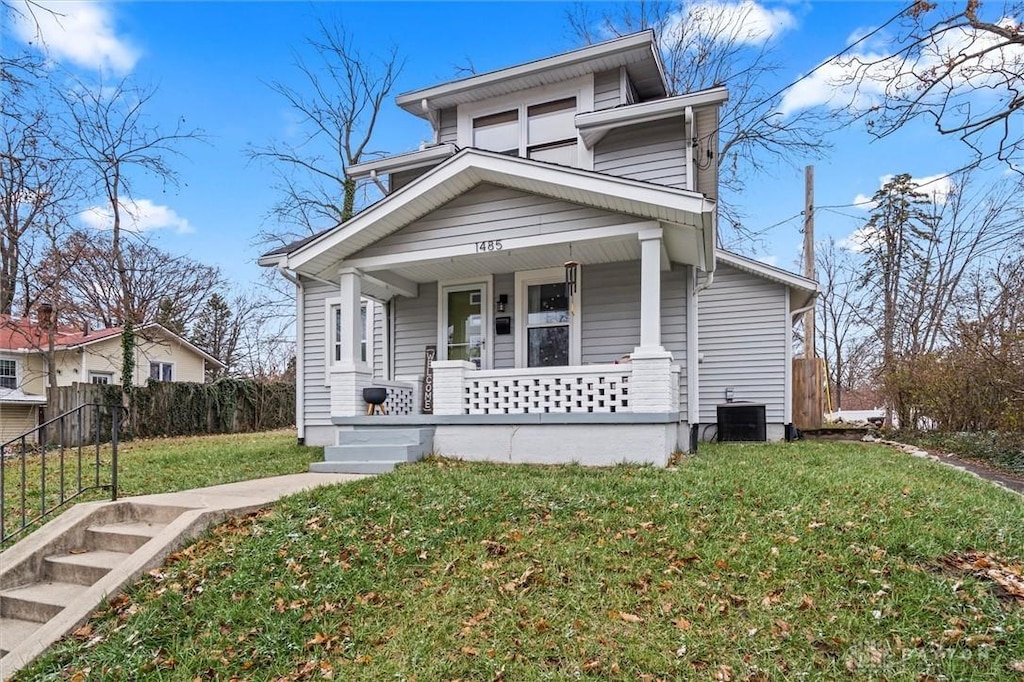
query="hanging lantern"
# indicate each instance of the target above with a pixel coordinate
(571, 270)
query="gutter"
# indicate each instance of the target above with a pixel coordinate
(300, 370)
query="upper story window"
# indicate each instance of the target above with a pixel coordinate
(8, 374)
(549, 134)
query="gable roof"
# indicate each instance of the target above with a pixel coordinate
(806, 289)
(472, 167)
(638, 52)
(19, 334)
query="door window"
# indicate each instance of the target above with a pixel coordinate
(465, 332)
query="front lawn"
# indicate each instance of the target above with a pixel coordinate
(759, 562)
(160, 465)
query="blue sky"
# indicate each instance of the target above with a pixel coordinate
(212, 61)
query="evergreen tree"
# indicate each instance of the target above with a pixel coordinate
(217, 331)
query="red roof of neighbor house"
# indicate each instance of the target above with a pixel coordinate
(22, 334)
(19, 333)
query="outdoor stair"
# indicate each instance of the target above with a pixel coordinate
(60, 574)
(374, 449)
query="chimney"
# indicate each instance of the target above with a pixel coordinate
(85, 328)
(44, 315)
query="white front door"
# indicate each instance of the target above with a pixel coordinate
(465, 315)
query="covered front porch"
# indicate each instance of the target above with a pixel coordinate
(515, 309)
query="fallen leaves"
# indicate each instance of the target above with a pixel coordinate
(1008, 577)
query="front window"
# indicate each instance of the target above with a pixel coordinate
(161, 371)
(365, 322)
(549, 134)
(8, 374)
(547, 325)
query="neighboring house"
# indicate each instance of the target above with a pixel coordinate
(86, 357)
(555, 248)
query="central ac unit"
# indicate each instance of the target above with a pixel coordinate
(741, 422)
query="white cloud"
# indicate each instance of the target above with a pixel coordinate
(137, 216)
(80, 32)
(859, 239)
(861, 78)
(745, 23)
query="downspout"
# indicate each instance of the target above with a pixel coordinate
(300, 369)
(693, 353)
(376, 181)
(690, 134)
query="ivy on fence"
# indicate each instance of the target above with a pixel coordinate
(184, 409)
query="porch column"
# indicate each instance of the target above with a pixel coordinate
(650, 290)
(351, 335)
(349, 375)
(449, 385)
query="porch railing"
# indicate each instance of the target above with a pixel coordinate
(566, 390)
(37, 478)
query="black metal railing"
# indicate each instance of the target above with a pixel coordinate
(65, 452)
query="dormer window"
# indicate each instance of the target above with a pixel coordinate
(549, 134)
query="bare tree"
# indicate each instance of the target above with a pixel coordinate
(958, 66)
(704, 46)
(338, 102)
(113, 138)
(90, 289)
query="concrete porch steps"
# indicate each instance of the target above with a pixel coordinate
(53, 579)
(375, 449)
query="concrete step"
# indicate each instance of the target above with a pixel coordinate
(39, 601)
(122, 537)
(85, 568)
(386, 435)
(372, 453)
(353, 467)
(14, 631)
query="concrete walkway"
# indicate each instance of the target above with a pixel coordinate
(51, 581)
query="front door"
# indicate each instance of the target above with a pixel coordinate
(464, 331)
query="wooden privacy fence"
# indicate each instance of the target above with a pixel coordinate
(184, 409)
(808, 392)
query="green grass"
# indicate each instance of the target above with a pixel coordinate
(161, 465)
(801, 561)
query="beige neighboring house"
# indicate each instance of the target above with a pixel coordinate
(84, 356)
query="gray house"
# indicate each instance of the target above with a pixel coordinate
(542, 283)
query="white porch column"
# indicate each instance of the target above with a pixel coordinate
(650, 290)
(449, 385)
(349, 375)
(350, 338)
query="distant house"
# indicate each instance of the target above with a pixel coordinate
(542, 283)
(83, 356)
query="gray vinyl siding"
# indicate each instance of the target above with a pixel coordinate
(654, 152)
(491, 212)
(742, 326)
(707, 134)
(317, 396)
(449, 126)
(606, 90)
(505, 345)
(610, 306)
(415, 328)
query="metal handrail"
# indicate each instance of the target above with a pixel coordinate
(32, 447)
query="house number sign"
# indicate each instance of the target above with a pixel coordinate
(488, 245)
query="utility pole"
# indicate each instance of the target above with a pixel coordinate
(809, 257)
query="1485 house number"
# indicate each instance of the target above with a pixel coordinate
(489, 245)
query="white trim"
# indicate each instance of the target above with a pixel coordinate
(692, 347)
(300, 358)
(521, 302)
(595, 125)
(402, 162)
(330, 364)
(690, 131)
(448, 94)
(486, 284)
(371, 263)
(769, 272)
(787, 394)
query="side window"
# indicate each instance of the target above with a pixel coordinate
(8, 373)
(161, 371)
(104, 377)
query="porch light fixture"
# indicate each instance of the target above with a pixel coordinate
(502, 302)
